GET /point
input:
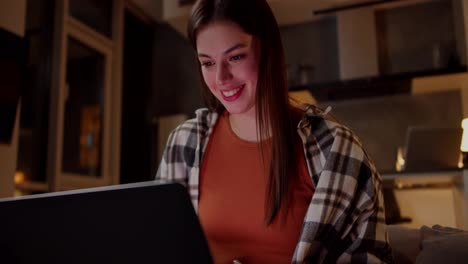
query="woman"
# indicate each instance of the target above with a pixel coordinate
(271, 183)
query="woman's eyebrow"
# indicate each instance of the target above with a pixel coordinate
(237, 46)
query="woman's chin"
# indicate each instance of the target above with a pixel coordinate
(239, 110)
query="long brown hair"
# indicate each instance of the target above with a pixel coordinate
(272, 109)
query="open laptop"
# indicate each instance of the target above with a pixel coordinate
(132, 223)
(432, 148)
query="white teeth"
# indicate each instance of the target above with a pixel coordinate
(231, 92)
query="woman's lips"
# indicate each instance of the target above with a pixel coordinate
(232, 94)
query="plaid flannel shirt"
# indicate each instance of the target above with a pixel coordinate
(345, 220)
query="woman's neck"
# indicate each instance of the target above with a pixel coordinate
(245, 125)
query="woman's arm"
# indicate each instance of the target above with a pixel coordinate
(345, 222)
(178, 155)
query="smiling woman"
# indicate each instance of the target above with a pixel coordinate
(272, 183)
(229, 66)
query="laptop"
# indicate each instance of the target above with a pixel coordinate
(146, 222)
(432, 148)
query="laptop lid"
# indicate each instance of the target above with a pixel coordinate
(132, 223)
(432, 148)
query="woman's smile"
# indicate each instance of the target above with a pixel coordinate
(232, 94)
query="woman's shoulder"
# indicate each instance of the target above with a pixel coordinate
(321, 125)
(318, 118)
(324, 135)
(204, 118)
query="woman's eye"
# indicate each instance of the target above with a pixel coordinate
(206, 64)
(237, 57)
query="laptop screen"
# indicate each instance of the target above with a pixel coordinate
(432, 148)
(131, 223)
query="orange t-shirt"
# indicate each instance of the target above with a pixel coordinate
(232, 198)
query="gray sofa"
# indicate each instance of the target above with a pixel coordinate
(435, 244)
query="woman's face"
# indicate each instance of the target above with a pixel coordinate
(229, 61)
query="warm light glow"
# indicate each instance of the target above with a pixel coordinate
(460, 161)
(400, 161)
(19, 177)
(464, 143)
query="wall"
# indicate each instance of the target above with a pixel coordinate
(12, 15)
(171, 9)
(175, 85)
(176, 15)
(136, 147)
(175, 76)
(313, 43)
(12, 18)
(154, 8)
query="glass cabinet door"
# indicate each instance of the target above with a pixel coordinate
(96, 14)
(85, 97)
(84, 109)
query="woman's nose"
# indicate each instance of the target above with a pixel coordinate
(223, 74)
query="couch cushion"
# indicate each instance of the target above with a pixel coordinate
(443, 245)
(404, 242)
